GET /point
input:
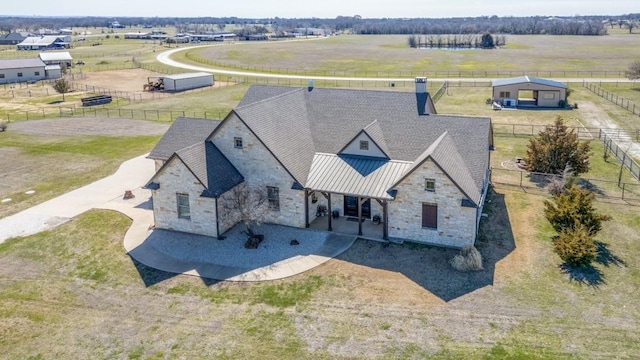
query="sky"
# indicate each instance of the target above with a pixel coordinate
(319, 9)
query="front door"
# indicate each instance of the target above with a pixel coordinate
(351, 207)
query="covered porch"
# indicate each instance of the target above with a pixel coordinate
(341, 216)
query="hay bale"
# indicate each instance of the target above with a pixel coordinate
(469, 259)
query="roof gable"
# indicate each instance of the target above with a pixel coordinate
(182, 133)
(444, 154)
(368, 142)
(208, 165)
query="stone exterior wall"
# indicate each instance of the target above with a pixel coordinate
(176, 178)
(260, 168)
(456, 224)
(158, 164)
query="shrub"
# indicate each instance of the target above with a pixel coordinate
(576, 247)
(573, 208)
(468, 259)
(562, 104)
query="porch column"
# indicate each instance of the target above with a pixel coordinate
(385, 220)
(359, 202)
(329, 210)
(306, 208)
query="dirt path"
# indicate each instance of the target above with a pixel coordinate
(91, 126)
(596, 117)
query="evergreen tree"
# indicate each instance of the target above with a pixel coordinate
(572, 209)
(555, 148)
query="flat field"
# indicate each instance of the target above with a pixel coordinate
(391, 54)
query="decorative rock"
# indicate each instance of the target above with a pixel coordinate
(5, 201)
(128, 194)
(294, 242)
(30, 192)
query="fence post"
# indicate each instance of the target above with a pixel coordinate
(623, 188)
(520, 178)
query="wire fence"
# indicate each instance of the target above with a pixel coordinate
(584, 133)
(614, 98)
(616, 150)
(608, 189)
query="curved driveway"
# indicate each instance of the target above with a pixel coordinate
(165, 58)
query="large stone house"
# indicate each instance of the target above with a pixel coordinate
(370, 155)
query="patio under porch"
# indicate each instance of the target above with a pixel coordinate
(347, 225)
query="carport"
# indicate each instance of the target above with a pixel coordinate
(528, 91)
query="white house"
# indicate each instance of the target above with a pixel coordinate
(46, 42)
(361, 155)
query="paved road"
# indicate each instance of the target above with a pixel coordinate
(165, 58)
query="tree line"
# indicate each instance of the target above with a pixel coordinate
(575, 25)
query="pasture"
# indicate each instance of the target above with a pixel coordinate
(72, 292)
(391, 56)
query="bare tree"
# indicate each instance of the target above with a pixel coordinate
(247, 204)
(634, 71)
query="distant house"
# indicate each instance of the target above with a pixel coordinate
(57, 58)
(379, 161)
(13, 38)
(42, 43)
(526, 91)
(22, 70)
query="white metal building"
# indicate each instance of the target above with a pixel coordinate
(526, 91)
(22, 70)
(56, 58)
(187, 81)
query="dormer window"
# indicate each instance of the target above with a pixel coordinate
(237, 142)
(364, 145)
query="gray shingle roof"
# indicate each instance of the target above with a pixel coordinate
(21, 63)
(527, 79)
(374, 131)
(295, 124)
(182, 133)
(211, 167)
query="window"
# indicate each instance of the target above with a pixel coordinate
(37, 73)
(19, 74)
(364, 145)
(505, 94)
(237, 142)
(430, 184)
(1, 76)
(184, 211)
(273, 195)
(430, 216)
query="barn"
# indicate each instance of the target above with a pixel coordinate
(526, 91)
(22, 70)
(57, 58)
(187, 81)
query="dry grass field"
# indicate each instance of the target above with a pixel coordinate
(72, 292)
(392, 54)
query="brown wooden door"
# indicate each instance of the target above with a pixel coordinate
(430, 216)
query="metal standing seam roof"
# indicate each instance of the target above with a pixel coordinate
(21, 63)
(56, 56)
(182, 133)
(187, 76)
(527, 79)
(41, 40)
(355, 175)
